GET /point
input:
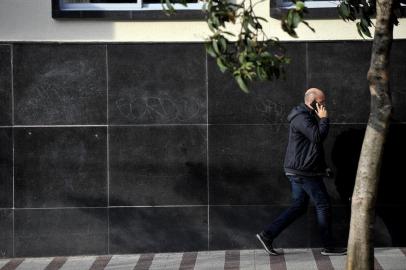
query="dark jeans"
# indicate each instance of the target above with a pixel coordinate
(304, 188)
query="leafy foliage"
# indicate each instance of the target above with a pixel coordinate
(251, 55)
(294, 17)
(362, 11)
(248, 58)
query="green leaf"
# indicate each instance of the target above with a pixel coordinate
(261, 18)
(367, 32)
(209, 49)
(210, 24)
(241, 57)
(245, 25)
(248, 65)
(241, 84)
(216, 21)
(251, 22)
(250, 75)
(258, 26)
(295, 19)
(252, 56)
(287, 24)
(290, 17)
(364, 27)
(169, 6)
(209, 4)
(265, 54)
(359, 30)
(289, 30)
(344, 10)
(308, 25)
(261, 73)
(215, 46)
(221, 65)
(223, 44)
(300, 5)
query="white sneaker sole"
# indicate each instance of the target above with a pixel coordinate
(273, 253)
(333, 254)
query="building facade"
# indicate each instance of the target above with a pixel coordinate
(121, 135)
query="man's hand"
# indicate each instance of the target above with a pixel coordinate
(321, 111)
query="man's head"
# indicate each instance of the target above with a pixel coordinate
(314, 94)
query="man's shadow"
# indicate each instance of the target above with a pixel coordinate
(391, 201)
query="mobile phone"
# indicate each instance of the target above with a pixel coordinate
(313, 105)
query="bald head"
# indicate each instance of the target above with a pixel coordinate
(314, 94)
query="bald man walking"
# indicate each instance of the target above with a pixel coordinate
(305, 168)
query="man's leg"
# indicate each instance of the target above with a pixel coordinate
(317, 191)
(298, 207)
(315, 188)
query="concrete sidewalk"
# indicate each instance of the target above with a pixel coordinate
(293, 259)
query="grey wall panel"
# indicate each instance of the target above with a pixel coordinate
(60, 167)
(60, 84)
(158, 229)
(268, 102)
(145, 168)
(6, 233)
(6, 168)
(246, 164)
(5, 85)
(158, 165)
(157, 84)
(60, 232)
(340, 69)
(234, 227)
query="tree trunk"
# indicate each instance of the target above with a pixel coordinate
(360, 242)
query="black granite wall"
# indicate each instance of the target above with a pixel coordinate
(149, 148)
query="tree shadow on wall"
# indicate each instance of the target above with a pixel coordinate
(391, 201)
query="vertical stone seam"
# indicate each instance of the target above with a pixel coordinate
(12, 139)
(207, 151)
(307, 64)
(308, 220)
(107, 150)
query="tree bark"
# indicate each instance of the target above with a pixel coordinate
(360, 243)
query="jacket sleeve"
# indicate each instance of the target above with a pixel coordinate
(315, 132)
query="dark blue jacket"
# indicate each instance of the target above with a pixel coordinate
(305, 153)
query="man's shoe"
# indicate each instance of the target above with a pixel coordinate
(267, 244)
(334, 251)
